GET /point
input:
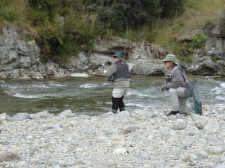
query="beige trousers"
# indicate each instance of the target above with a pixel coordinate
(179, 100)
(119, 92)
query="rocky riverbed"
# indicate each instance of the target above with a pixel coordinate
(137, 139)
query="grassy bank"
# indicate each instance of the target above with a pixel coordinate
(197, 14)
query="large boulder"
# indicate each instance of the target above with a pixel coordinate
(147, 68)
(142, 58)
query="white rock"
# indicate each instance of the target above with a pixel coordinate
(80, 75)
(119, 151)
(67, 113)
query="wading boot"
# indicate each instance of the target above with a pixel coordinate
(114, 111)
(173, 113)
(122, 109)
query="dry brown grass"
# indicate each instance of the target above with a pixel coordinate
(197, 14)
(20, 7)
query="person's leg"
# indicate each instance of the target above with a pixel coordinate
(115, 104)
(174, 100)
(182, 100)
(118, 94)
(178, 100)
(182, 104)
(121, 104)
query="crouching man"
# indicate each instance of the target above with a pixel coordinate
(175, 83)
(119, 75)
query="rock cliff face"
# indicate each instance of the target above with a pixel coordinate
(16, 55)
(20, 58)
(209, 60)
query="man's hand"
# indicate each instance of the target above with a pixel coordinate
(161, 89)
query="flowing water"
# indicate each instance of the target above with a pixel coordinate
(93, 95)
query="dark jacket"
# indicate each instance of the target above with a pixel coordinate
(120, 74)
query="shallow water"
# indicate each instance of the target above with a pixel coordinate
(93, 95)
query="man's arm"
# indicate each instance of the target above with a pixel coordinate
(112, 69)
(176, 81)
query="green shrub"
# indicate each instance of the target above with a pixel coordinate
(50, 31)
(186, 48)
(198, 41)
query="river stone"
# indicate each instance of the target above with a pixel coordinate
(178, 127)
(43, 114)
(119, 151)
(202, 155)
(3, 117)
(20, 117)
(10, 92)
(147, 68)
(2, 82)
(124, 114)
(129, 130)
(144, 156)
(21, 164)
(186, 142)
(193, 132)
(220, 166)
(199, 125)
(8, 156)
(150, 115)
(67, 113)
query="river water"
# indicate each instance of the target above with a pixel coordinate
(92, 96)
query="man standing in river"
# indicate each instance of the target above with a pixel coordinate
(175, 83)
(119, 75)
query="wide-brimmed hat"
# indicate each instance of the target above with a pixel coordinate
(171, 58)
(119, 55)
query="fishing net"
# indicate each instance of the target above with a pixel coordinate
(192, 94)
(193, 97)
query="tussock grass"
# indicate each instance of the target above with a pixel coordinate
(197, 14)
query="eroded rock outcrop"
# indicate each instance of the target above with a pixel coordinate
(21, 58)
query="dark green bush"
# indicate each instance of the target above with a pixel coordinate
(63, 26)
(120, 14)
(171, 7)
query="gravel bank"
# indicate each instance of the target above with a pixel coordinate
(139, 139)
